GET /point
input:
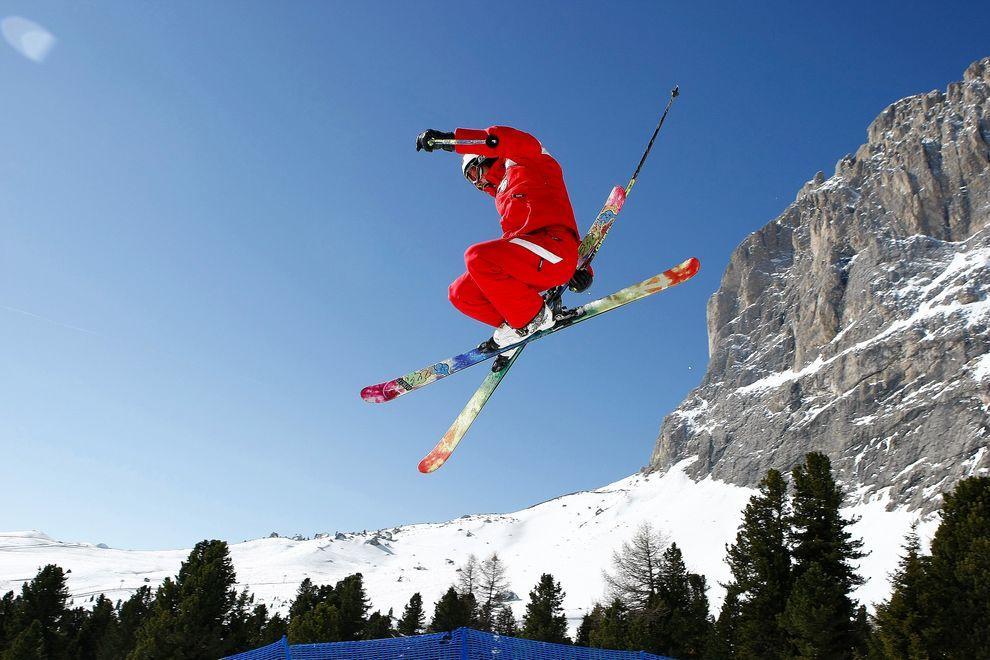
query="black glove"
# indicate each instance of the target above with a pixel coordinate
(581, 280)
(425, 140)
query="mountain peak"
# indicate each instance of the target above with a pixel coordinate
(857, 323)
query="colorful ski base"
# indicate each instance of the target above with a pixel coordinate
(391, 389)
(672, 277)
(380, 393)
(448, 443)
(600, 227)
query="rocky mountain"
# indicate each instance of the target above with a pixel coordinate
(858, 322)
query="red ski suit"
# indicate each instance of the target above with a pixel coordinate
(539, 245)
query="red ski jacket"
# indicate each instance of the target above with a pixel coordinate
(530, 193)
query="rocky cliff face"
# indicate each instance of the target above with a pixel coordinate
(858, 322)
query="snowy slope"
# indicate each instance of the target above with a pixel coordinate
(571, 537)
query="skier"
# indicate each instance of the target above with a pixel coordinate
(538, 249)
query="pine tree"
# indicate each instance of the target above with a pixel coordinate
(544, 619)
(820, 616)
(505, 622)
(492, 586)
(723, 641)
(590, 623)
(43, 599)
(899, 621)
(320, 624)
(97, 636)
(131, 615)
(957, 593)
(28, 644)
(760, 561)
(452, 611)
(683, 627)
(413, 617)
(636, 579)
(192, 614)
(379, 626)
(352, 601)
(613, 632)
(6, 620)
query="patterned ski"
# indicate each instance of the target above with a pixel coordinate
(391, 389)
(672, 277)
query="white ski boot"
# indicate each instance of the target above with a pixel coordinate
(505, 334)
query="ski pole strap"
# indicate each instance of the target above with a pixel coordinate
(674, 93)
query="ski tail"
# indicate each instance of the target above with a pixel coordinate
(448, 443)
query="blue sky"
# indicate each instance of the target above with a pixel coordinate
(214, 230)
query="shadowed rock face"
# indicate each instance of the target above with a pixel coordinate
(858, 322)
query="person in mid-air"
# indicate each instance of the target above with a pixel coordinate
(538, 249)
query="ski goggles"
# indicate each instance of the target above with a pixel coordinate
(476, 170)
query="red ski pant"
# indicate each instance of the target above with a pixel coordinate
(504, 277)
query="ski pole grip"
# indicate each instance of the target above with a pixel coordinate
(437, 142)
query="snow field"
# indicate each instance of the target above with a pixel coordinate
(572, 537)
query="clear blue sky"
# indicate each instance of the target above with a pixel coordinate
(214, 230)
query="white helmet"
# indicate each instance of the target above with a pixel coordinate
(472, 164)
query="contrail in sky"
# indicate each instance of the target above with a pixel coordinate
(45, 318)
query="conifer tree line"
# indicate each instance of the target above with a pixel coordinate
(792, 566)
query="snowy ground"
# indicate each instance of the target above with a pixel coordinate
(572, 537)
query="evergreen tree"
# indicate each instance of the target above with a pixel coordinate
(325, 613)
(544, 619)
(192, 614)
(413, 617)
(590, 622)
(131, 615)
(320, 624)
(6, 620)
(42, 600)
(760, 561)
(682, 628)
(957, 593)
(308, 596)
(613, 632)
(636, 579)
(492, 586)
(97, 635)
(379, 626)
(819, 616)
(352, 600)
(275, 629)
(28, 644)
(899, 621)
(505, 622)
(452, 611)
(723, 641)
(158, 636)
(261, 629)
(810, 619)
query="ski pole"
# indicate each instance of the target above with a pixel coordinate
(674, 93)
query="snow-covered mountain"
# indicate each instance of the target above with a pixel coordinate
(858, 322)
(572, 537)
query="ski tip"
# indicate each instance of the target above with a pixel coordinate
(380, 393)
(428, 465)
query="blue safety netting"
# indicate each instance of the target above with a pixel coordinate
(462, 644)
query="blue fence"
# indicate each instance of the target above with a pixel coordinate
(462, 644)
